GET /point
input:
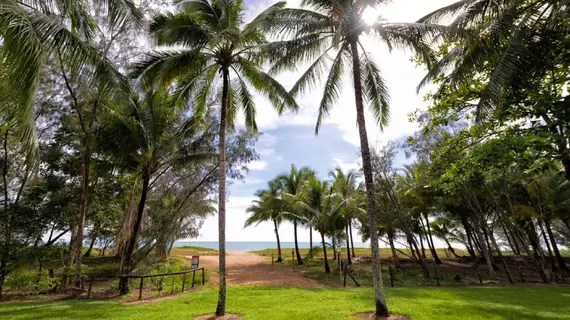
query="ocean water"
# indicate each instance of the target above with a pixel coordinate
(249, 246)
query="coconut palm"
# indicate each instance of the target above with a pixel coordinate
(329, 27)
(35, 30)
(268, 208)
(208, 39)
(291, 191)
(516, 38)
(347, 187)
(320, 206)
(148, 136)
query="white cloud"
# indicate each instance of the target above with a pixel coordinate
(258, 165)
(346, 165)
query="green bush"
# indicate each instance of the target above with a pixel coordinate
(457, 277)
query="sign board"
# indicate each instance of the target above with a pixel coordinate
(195, 262)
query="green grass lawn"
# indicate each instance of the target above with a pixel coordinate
(293, 303)
(193, 251)
(365, 252)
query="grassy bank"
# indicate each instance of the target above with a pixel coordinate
(193, 251)
(293, 303)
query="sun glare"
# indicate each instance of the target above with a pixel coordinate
(370, 15)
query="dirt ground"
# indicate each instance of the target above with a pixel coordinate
(244, 269)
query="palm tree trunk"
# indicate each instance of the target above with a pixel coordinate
(393, 247)
(422, 245)
(299, 259)
(381, 308)
(127, 260)
(221, 308)
(91, 244)
(327, 267)
(310, 242)
(334, 248)
(83, 211)
(550, 255)
(430, 242)
(351, 239)
(349, 261)
(279, 257)
(561, 262)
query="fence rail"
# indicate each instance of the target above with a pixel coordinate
(142, 277)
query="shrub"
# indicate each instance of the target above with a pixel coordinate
(457, 277)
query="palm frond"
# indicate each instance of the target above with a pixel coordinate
(333, 87)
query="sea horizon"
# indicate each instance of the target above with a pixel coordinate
(253, 245)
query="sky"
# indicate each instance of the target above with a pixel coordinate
(290, 139)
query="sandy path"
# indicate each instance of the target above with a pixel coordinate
(246, 269)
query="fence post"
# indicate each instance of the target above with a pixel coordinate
(391, 276)
(140, 288)
(193, 277)
(184, 282)
(479, 274)
(172, 286)
(521, 275)
(203, 279)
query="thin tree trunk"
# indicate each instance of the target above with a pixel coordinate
(422, 245)
(83, 209)
(91, 244)
(430, 240)
(547, 242)
(327, 268)
(221, 307)
(333, 247)
(393, 247)
(349, 261)
(7, 236)
(170, 247)
(127, 263)
(279, 257)
(559, 259)
(381, 308)
(509, 241)
(351, 238)
(299, 259)
(509, 276)
(421, 259)
(310, 242)
(530, 230)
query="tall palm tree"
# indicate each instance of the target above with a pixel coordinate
(291, 191)
(268, 208)
(347, 187)
(33, 31)
(147, 138)
(207, 38)
(325, 27)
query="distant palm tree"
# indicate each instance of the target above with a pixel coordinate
(207, 39)
(291, 191)
(346, 186)
(327, 27)
(147, 137)
(33, 31)
(321, 207)
(268, 208)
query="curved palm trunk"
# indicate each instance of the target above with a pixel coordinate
(349, 261)
(561, 262)
(279, 257)
(430, 242)
(379, 297)
(327, 267)
(221, 308)
(299, 259)
(310, 242)
(351, 239)
(127, 263)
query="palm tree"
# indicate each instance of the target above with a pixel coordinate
(268, 208)
(206, 39)
(147, 138)
(321, 207)
(515, 38)
(323, 27)
(33, 31)
(291, 191)
(346, 187)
